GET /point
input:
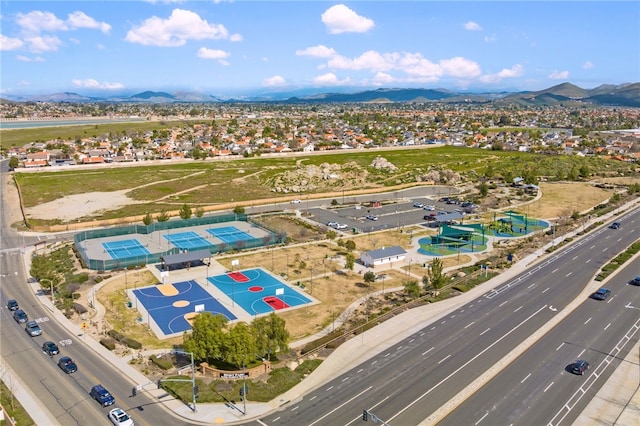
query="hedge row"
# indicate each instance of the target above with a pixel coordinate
(132, 343)
(108, 343)
(162, 363)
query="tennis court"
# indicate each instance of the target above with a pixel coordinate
(187, 240)
(229, 234)
(125, 248)
(258, 292)
(172, 306)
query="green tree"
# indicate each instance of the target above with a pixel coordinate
(350, 245)
(349, 261)
(271, 335)
(147, 219)
(207, 340)
(199, 212)
(412, 288)
(437, 278)
(585, 172)
(162, 217)
(238, 210)
(185, 211)
(369, 277)
(14, 162)
(240, 345)
(331, 234)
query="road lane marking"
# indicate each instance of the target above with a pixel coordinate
(523, 380)
(587, 261)
(457, 370)
(444, 359)
(547, 388)
(518, 309)
(387, 354)
(329, 388)
(610, 299)
(568, 274)
(574, 257)
(341, 405)
(360, 371)
(605, 249)
(313, 397)
(561, 345)
(502, 304)
(554, 271)
(481, 418)
(411, 341)
(587, 321)
(485, 331)
(295, 408)
(580, 354)
(545, 290)
(345, 379)
(427, 351)
(531, 285)
(469, 325)
(605, 329)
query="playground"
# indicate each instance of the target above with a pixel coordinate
(471, 238)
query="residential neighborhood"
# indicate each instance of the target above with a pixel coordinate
(201, 131)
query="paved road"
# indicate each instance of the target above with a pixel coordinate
(540, 390)
(411, 380)
(65, 396)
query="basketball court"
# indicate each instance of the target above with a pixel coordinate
(171, 307)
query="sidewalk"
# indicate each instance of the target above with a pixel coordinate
(620, 387)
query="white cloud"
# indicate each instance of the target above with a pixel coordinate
(8, 43)
(382, 78)
(340, 19)
(39, 44)
(515, 71)
(460, 67)
(559, 75)
(318, 51)
(472, 26)
(330, 79)
(91, 83)
(181, 26)
(588, 65)
(276, 80)
(22, 58)
(79, 19)
(38, 21)
(490, 39)
(217, 54)
(236, 37)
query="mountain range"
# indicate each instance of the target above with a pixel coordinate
(562, 94)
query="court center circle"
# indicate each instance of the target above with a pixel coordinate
(180, 303)
(255, 289)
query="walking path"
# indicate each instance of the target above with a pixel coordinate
(617, 402)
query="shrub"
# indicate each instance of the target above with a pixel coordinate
(164, 364)
(116, 335)
(132, 343)
(80, 309)
(108, 343)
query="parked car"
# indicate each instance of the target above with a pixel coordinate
(371, 217)
(295, 201)
(32, 328)
(12, 305)
(100, 394)
(119, 417)
(20, 316)
(615, 225)
(50, 348)
(332, 224)
(429, 217)
(429, 207)
(67, 365)
(418, 204)
(579, 367)
(341, 226)
(635, 281)
(601, 294)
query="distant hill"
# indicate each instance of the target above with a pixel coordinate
(562, 94)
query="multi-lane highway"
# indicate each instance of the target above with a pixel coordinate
(410, 381)
(66, 397)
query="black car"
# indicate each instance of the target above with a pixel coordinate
(20, 316)
(12, 305)
(635, 281)
(615, 225)
(601, 294)
(579, 367)
(50, 348)
(67, 365)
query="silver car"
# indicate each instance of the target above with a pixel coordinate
(33, 328)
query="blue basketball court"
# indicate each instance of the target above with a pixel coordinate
(125, 248)
(258, 292)
(188, 240)
(229, 234)
(172, 305)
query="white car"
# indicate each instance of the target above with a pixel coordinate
(119, 417)
(372, 217)
(332, 224)
(419, 205)
(341, 226)
(429, 207)
(295, 201)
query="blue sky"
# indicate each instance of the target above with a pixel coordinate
(225, 47)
